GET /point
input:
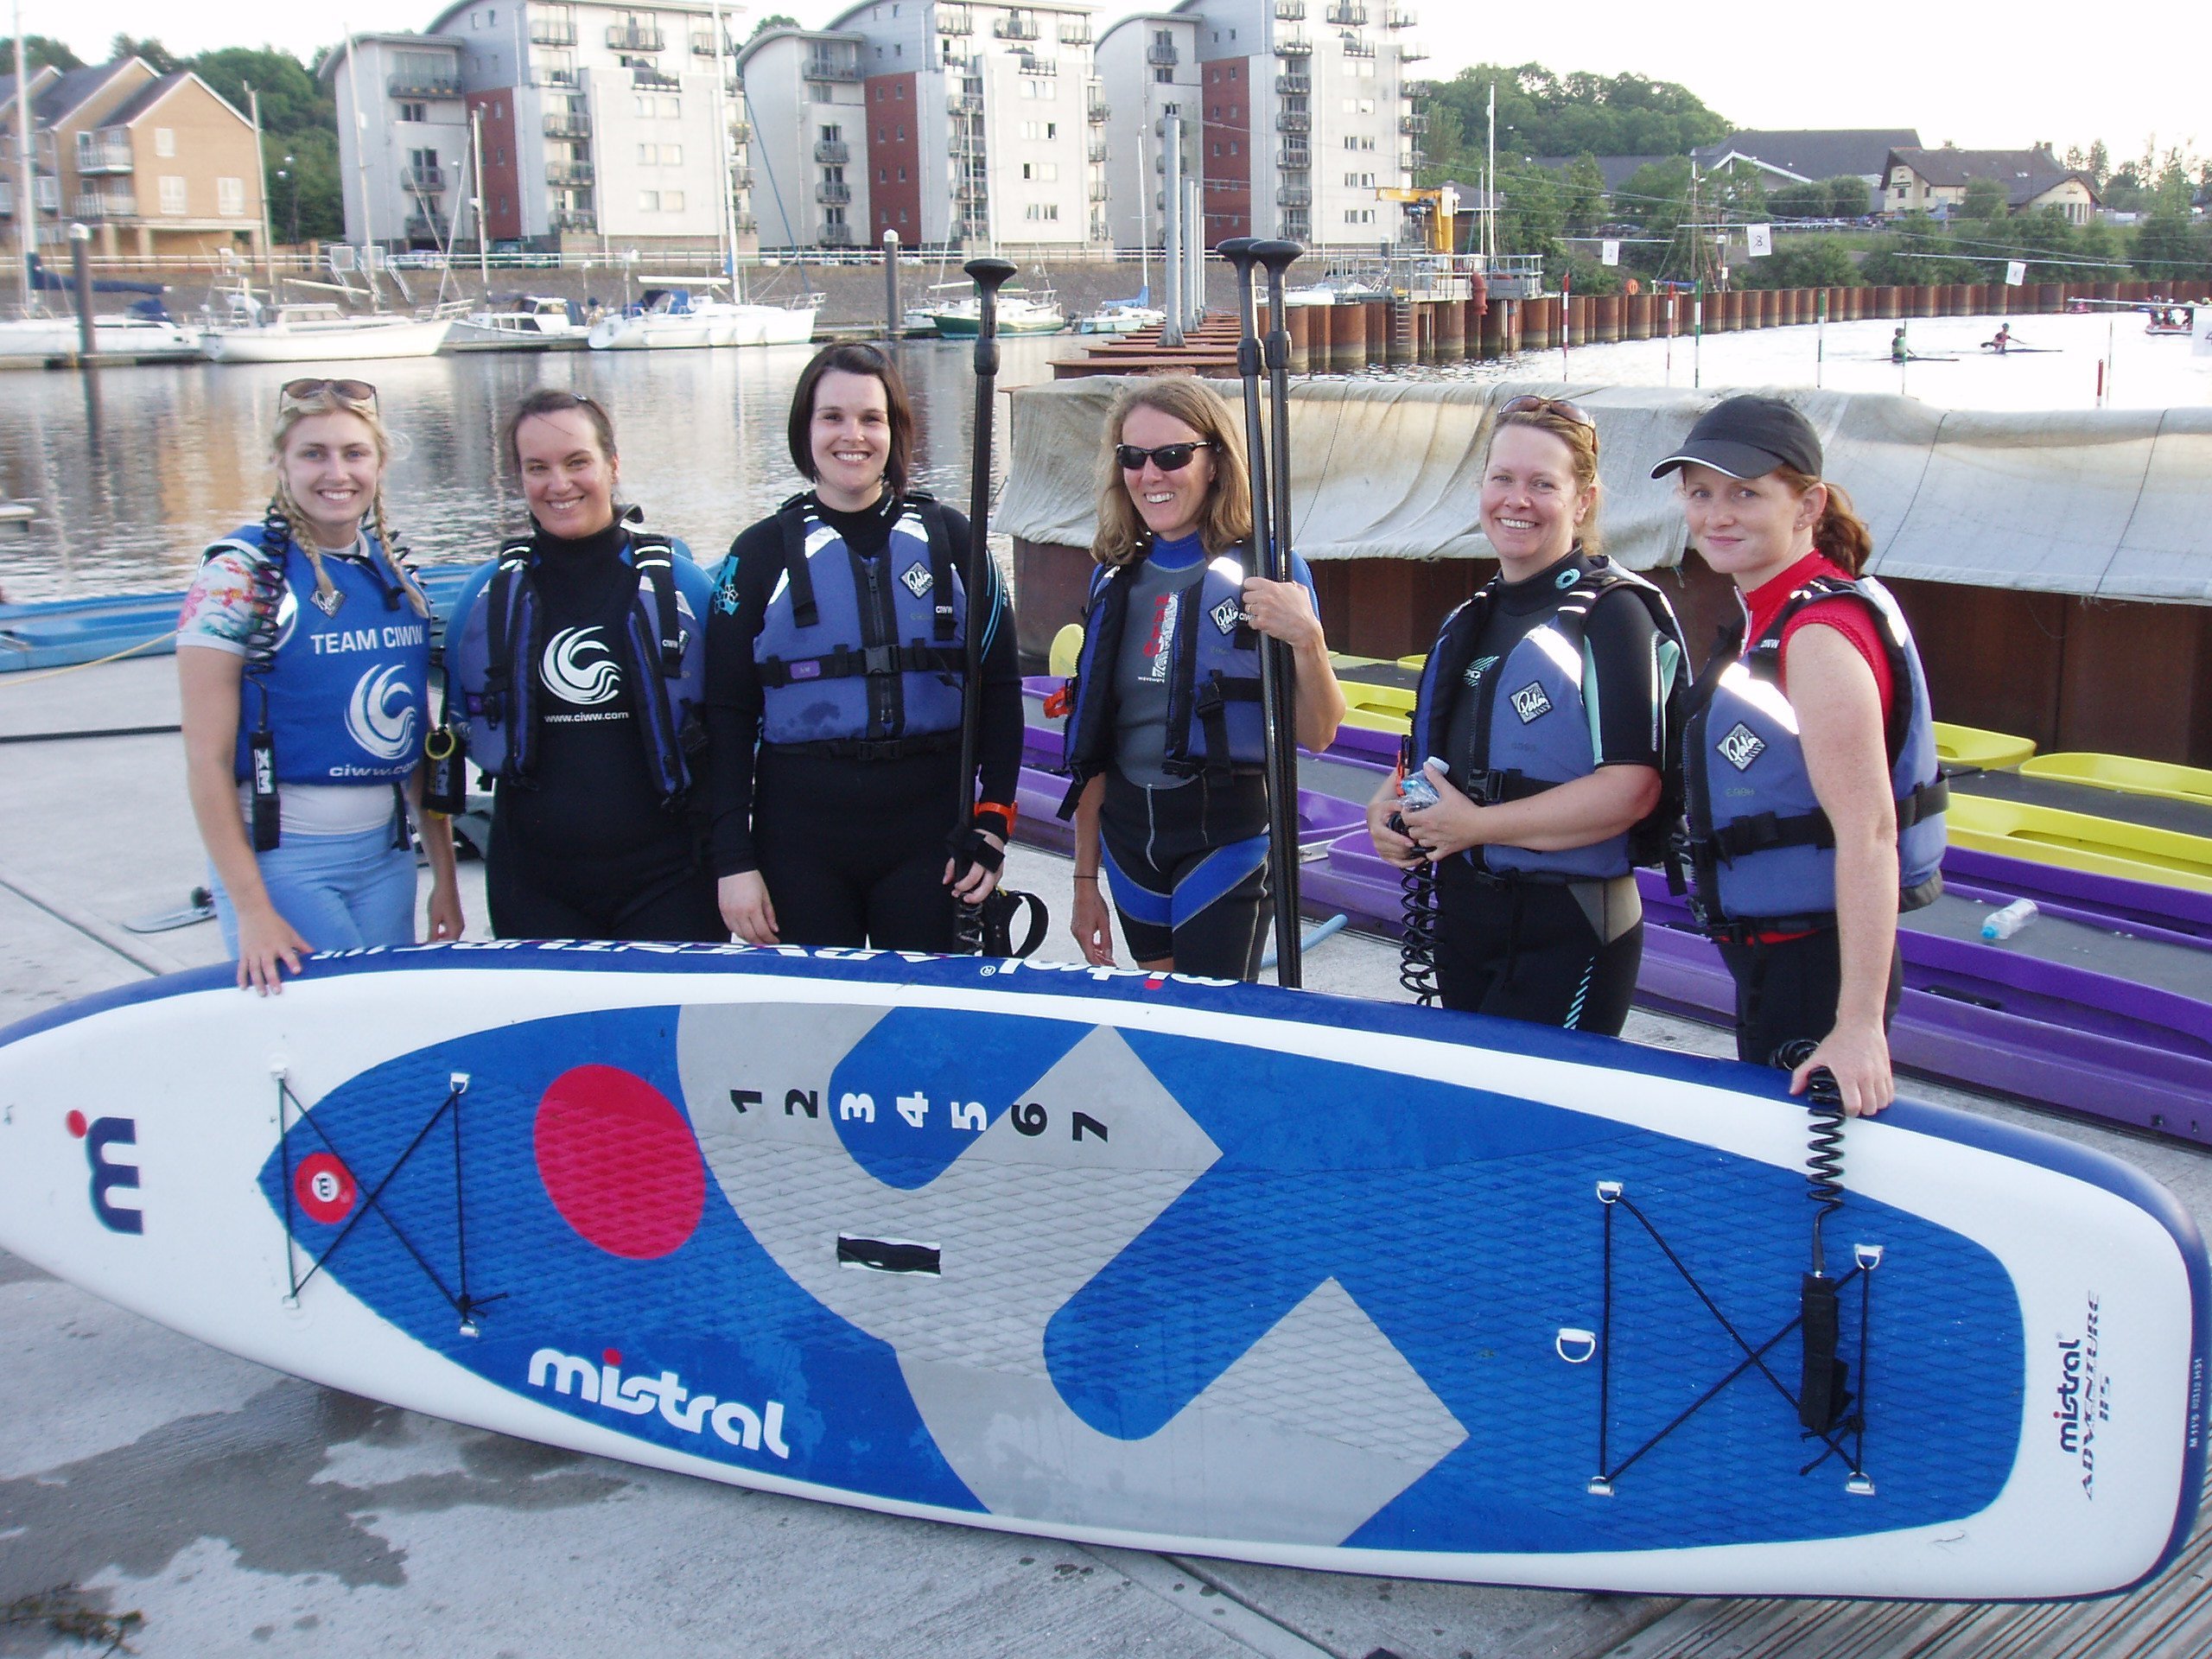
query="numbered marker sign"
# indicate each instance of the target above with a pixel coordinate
(1760, 239)
(1609, 253)
(2015, 272)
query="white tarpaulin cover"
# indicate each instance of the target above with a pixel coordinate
(2116, 504)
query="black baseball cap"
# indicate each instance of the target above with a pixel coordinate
(1749, 437)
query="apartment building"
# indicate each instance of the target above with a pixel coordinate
(599, 125)
(977, 125)
(1304, 110)
(1151, 60)
(156, 165)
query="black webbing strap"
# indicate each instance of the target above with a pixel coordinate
(655, 553)
(791, 518)
(1210, 710)
(1764, 831)
(845, 663)
(946, 625)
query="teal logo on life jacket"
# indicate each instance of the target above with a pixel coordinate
(1477, 669)
(1565, 579)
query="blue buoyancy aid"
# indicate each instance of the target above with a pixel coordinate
(1761, 848)
(863, 658)
(1215, 723)
(343, 695)
(497, 659)
(1532, 722)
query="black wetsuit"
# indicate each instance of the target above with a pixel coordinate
(587, 849)
(853, 851)
(1558, 952)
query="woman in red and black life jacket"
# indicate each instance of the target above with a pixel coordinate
(1814, 802)
(304, 661)
(576, 658)
(838, 656)
(1547, 696)
(1165, 737)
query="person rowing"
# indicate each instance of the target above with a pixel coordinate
(2001, 342)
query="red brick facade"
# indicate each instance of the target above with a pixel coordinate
(502, 169)
(893, 150)
(1228, 98)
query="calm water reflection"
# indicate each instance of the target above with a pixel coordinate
(134, 470)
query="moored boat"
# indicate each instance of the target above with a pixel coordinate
(37, 341)
(317, 331)
(521, 322)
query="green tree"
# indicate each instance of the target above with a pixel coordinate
(299, 128)
(1540, 113)
(2167, 247)
(1584, 195)
(1806, 262)
(158, 57)
(38, 49)
(1800, 199)
(1849, 196)
(1985, 199)
(773, 20)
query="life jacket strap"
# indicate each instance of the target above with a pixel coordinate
(870, 748)
(844, 663)
(791, 518)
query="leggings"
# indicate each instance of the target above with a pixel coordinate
(854, 851)
(660, 891)
(1188, 869)
(1538, 950)
(1788, 990)
(340, 892)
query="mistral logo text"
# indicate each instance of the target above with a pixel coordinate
(604, 1386)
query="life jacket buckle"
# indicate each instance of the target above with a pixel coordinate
(879, 659)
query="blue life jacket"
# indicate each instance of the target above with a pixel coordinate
(861, 657)
(1532, 723)
(496, 651)
(344, 695)
(1215, 724)
(1761, 851)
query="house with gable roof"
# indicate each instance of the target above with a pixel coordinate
(1935, 181)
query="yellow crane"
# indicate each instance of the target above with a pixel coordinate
(1439, 207)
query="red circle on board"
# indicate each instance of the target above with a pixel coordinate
(75, 1124)
(620, 1162)
(325, 1188)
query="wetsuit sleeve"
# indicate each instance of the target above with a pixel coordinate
(999, 728)
(1624, 683)
(733, 699)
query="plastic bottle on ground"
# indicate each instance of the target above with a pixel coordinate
(2004, 924)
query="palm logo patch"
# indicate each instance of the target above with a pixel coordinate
(1742, 746)
(1529, 702)
(917, 578)
(1228, 615)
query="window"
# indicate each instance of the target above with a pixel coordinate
(672, 109)
(672, 201)
(1052, 130)
(649, 201)
(230, 197)
(902, 134)
(648, 154)
(883, 175)
(1042, 210)
(171, 194)
(165, 142)
(1041, 172)
(1165, 77)
(413, 112)
(671, 155)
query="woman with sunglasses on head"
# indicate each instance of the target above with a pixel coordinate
(304, 658)
(1165, 737)
(1815, 804)
(1546, 698)
(839, 655)
(578, 664)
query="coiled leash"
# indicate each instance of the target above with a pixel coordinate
(1823, 1394)
(1416, 907)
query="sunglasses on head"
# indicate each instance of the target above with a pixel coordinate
(350, 391)
(1168, 457)
(1530, 403)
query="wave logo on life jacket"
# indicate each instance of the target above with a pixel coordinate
(603, 1385)
(371, 720)
(1741, 746)
(577, 667)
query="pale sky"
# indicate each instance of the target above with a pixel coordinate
(1981, 76)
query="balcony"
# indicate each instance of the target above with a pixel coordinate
(836, 236)
(1293, 85)
(1015, 27)
(1293, 46)
(421, 181)
(965, 103)
(1294, 123)
(1413, 125)
(702, 43)
(424, 86)
(969, 190)
(103, 152)
(833, 152)
(1400, 18)
(1298, 227)
(1411, 51)
(954, 20)
(547, 31)
(1413, 160)
(1293, 196)
(645, 79)
(634, 37)
(1075, 31)
(1290, 11)
(434, 227)
(1299, 159)
(747, 224)
(741, 130)
(549, 77)
(833, 195)
(568, 126)
(1346, 14)
(1096, 150)
(1097, 111)
(1098, 190)
(570, 221)
(117, 204)
(740, 178)
(1356, 47)
(1163, 53)
(1036, 65)
(568, 175)
(831, 69)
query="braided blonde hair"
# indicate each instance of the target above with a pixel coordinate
(327, 402)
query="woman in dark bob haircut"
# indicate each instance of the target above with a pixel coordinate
(837, 655)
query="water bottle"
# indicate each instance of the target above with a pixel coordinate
(2004, 924)
(1414, 789)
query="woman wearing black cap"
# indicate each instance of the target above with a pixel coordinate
(1546, 699)
(1815, 807)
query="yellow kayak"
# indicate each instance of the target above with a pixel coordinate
(2076, 841)
(2192, 785)
(1969, 745)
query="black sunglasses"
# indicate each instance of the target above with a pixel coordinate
(1169, 457)
(1530, 404)
(351, 392)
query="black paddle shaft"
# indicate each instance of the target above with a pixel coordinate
(1276, 675)
(989, 276)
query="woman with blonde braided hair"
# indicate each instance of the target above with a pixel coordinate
(303, 657)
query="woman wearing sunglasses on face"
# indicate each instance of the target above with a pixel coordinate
(1165, 737)
(1546, 697)
(303, 656)
(839, 653)
(1814, 802)
(579, 666)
